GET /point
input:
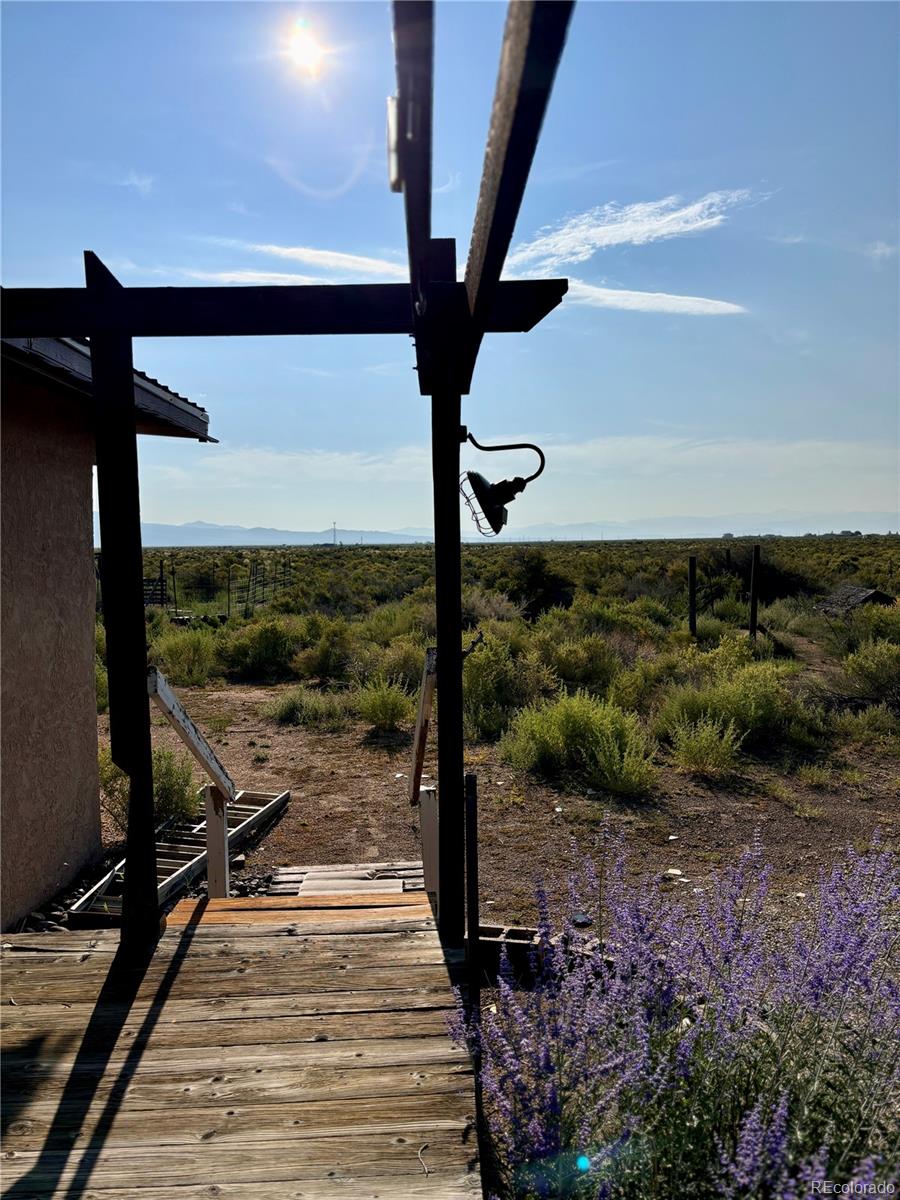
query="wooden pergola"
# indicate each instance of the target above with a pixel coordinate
(446, 317)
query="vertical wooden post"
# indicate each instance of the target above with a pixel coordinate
(754, 591)
(727, 558)
(122, 566)
(473, 920)
(428, 832)
(445, 426)
(217, 877)
(174, 589)
(228, 601)
(692, 594)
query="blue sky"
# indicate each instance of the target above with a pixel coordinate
(718, 181)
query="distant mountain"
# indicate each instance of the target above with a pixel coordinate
(202, 533)
(784, 524)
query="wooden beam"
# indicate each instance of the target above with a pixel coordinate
(248, 311)
(414, 54)
(209, 311)
(162, 695)
(122, 573)
(423, 723)
(533, 42)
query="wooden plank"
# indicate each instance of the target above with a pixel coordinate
(439, 1184)
(356, 1156)
(262, 1123)
(217, 873)
(334, 921)
(238, 1084)
(318, 885)
(289, 904)
(165, 699)
(411, 864)
(423, 723)
(19, 1039)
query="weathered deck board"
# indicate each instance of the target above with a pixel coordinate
(276, 1047)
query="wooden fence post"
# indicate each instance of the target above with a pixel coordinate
(754, 591)
(692, 594)
(428, 828)
(216, 843)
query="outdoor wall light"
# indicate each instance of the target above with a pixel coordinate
(487, 501)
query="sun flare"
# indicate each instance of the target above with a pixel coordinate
(305, 50)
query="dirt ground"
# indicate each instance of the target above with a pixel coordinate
(349, 803)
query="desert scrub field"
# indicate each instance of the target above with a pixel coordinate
(584, 672)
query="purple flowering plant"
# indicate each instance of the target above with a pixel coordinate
(699, 1050)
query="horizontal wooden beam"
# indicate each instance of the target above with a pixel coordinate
(533, 42)
(209, 311)
(250, 311)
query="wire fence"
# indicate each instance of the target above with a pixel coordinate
(239, 588)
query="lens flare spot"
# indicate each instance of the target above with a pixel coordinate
(305, 50)
(583, 1163)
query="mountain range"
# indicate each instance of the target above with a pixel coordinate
(785, 524)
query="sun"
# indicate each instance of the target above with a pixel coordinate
(305, 50)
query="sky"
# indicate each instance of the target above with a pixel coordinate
(718, 182)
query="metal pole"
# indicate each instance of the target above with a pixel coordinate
(112, 372)
(445, 442)
(692, 594)
(754, 591)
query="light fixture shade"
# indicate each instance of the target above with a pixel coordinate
(485, 493)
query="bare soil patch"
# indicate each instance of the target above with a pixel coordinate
(349, 803)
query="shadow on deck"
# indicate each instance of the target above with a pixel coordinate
(285, 1046)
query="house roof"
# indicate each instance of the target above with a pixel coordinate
(849, 596)
(160, 410)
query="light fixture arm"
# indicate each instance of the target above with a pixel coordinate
(514, 446)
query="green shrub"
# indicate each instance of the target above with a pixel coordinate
(263, 650)
(874, 673)
(479, 605)
(100, 641)
(814, 775)
(705, 747)
(174, 797)
(731, 610)
(326, 711)
(101, 685)
(403, 662)
(333, 655)
(754, 700)
(873, 726)
(496, 685)
(585, 739)
(186, 657)
(710, 630)
(587, 662)
(384, 705)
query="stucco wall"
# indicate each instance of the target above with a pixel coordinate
(50, 812)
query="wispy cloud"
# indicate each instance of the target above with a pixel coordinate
(140, 182)
(579, 237)
(879, 252)
(613, 478)
(658, 302)
(333, 262)
(239, 207)
(571, 173)
(244, 276)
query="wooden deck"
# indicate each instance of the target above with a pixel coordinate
(270, 1049)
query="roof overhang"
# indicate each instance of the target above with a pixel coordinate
(67, 362)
